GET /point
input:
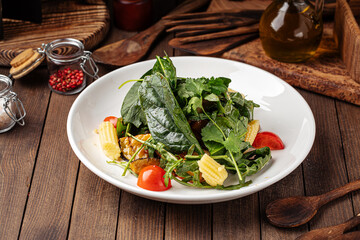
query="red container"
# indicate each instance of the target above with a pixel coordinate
(132, 15)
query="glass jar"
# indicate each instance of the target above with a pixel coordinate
(11, 108)
(69, 65)
(132, 15)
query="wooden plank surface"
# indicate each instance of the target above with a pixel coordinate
(51, 194)
(19, 151)
(325, 168)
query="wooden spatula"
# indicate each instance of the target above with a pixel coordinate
(131, 50)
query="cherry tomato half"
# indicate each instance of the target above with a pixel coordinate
(111, 119)
(268, 139)
(152, 178)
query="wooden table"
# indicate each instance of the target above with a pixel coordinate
(47, 193)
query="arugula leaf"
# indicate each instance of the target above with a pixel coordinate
(219, 85)
(193, 106)
(166, 121)
(185, 167)
(196, 86)
(131, 110)
(211, 133)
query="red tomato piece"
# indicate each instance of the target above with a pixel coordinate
(111, 119)
(152, 178)
(268, 139)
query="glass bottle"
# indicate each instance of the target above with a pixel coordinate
(291, 30)
(11, 108)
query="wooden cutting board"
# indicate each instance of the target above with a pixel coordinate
(87, 21)
(324, 74)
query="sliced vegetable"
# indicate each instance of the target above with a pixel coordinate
(213, 173)
(111, 119)
(152, 178)
(252, 130)
(109, 141)
(268, 139)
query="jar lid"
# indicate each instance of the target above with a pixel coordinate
(25, 62)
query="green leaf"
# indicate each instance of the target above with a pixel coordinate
(233, 142)
(211, 133)
(212, 98)
(166, 121)
(120, 128)
(215, 148)
(219, 85)
(166, 67)
(131, 110)
(186, 166)
(194, 106)
(197, 86)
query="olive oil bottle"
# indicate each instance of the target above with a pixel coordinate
(291, 30)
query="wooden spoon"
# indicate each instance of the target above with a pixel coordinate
(295, 211)
(131, 50)
(335, 232)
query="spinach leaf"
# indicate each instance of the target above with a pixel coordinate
(131, 110)
(166, 67)
(166, 120)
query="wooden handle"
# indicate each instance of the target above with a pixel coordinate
(148, 36)
(351, 223)
(227, 33)
(338, 192)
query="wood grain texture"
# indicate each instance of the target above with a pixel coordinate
(292, 185)
(325, 73)
(350, 141)
(185, 222)
(61, 19)
(237, 219)
(217, 5)
(18, 153)
(347, 33)
(325, 167)
(51, 194)
(95, 206)
(140, 218)
(212, 47)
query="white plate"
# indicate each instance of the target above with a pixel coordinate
(282, 111)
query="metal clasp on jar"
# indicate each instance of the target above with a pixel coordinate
(91, 63)
(10, 99)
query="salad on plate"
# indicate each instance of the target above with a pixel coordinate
(195, 131)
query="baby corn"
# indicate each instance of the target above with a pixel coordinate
(252, 130)
(109, 141)
(213, 173)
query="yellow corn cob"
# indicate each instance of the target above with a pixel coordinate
(213, 173)
(109, 141)
(252, 130)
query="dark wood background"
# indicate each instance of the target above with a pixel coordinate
(47, 193)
